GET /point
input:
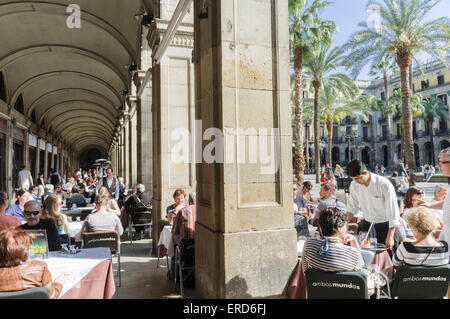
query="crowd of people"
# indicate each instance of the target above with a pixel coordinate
(414, 231)
(39, 207)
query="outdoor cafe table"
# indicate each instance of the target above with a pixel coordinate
(89, 273)
(166, 240)
(297, 286)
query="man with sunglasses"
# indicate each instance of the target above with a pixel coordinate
(377, 198)
(32, 213)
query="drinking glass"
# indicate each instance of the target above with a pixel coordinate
(78, 219)
(64, 249)
(74, 205)
(373, 242)
(72, 250)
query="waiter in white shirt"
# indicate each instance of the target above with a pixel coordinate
(377, 198)
(444, 165)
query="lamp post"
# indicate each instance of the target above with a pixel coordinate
(353, 134)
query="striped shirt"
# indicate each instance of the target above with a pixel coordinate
(412, 255)
(184, 224)
(340, 257)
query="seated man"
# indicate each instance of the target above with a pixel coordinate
(32, 214)
(34, 191)
(140, 201)
(184, 232)
(59, 191)
(76, 197)
(327, 199)
(48, 190)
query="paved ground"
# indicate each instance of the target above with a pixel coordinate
(142, 280)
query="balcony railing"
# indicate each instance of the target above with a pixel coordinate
(431, 87)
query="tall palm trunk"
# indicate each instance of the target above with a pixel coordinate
(404, 61)
(316, 85)
(430, 124)
(299, 159)
(330, 140)
(389, 128)
(372, 142)
(307, 150)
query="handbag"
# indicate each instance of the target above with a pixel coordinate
(432, 249)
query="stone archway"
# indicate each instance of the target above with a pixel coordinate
(365, 156)
(427, 153)
(384, 151)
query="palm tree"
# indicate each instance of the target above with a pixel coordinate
(433, 108)
(384, 68)
(305, 28)
(401, 33)
(416, 110)
(368, 105)
(333, 109)
(321, 69)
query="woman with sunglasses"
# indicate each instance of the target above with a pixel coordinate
(412, 199)
(16, 209)
(52, 210)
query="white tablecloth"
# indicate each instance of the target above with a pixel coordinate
(166, 240)
(74, 211)
(77, 266)
(75, 230)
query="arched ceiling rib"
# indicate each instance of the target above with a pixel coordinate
(61, 95)
(86, 127)
(71, 78)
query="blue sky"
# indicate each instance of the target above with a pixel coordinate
(348, 13)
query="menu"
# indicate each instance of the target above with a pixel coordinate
(38, 244)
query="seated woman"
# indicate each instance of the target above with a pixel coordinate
(52, 210)
(425, 249)
(112, 205)
(332, 253)
(179, 196)
(102, 219)
(16, 209)
(16, 272)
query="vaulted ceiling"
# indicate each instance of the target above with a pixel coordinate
(72, 78)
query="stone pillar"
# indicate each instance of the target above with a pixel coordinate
(46, 163)
(26, 150)
(126, 147)
(133, 148)
(245, 242)
(173, 108)
(9, 159)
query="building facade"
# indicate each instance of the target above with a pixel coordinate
(370, 144)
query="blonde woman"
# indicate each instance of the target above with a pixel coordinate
(102, 219)
(425, 249)
(112, 206)
(52, 210)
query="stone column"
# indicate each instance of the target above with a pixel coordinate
(26, 150)
(9, 159)
(245, 242)
(173, 108)
(126, 148)
(133, 148)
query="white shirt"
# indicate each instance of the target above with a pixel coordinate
(446, 217)
(378, 201)
(24, 178)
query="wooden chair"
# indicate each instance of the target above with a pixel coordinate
(107, 239)
(32, 293)
(139, 217)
